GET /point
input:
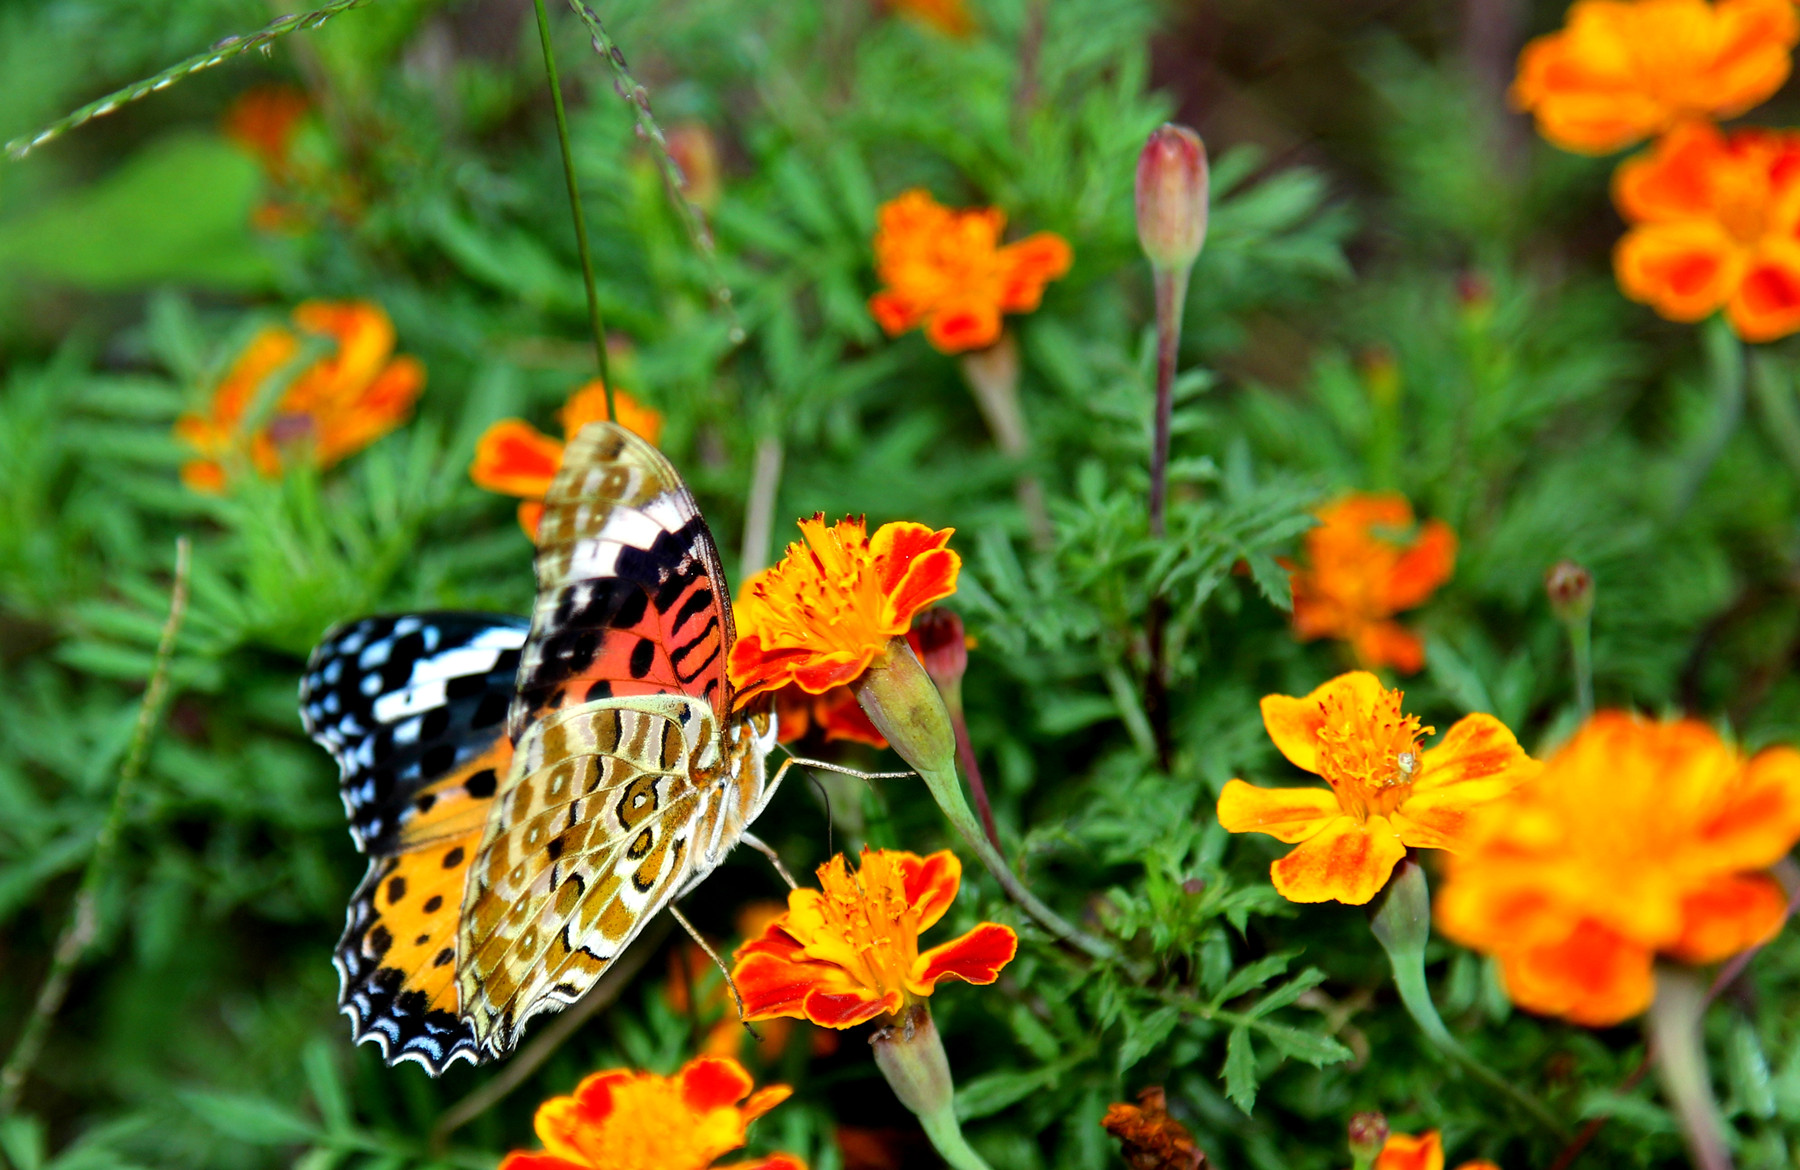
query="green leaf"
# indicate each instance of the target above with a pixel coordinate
(1144, 1034)
(1311, 1047)
(1240, 1068)
(250, 1119)
(987, 1095)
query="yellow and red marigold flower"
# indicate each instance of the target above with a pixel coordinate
(947, 270)
(514, 458)
(624, 1120)
(1363, 565)
(334, 407)
(1715, 224)
(849, 951)
(1640, 838)
(817, 618)
(1621, 71)
(1425, 1152)
(1150, 1139)
(1386, 792)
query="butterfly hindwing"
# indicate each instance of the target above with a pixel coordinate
(413, 709)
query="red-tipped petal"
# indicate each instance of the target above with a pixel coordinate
(976, 957)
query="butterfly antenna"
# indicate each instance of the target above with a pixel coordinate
(723, 970)
(825, 796)
(768, 851)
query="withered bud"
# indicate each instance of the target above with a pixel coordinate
(1171, 197)
(1368, 1134)
(937, 634)
(1571, 591)
(1149, 1138)
(696, 152)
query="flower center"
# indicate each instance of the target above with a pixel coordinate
(1369, 755)
(867, 914)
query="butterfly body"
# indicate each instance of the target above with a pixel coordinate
(519, 843)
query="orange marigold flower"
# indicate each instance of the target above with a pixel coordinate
(950, 17)
(1149, 1138)
(1385, 794)
(1425, 1152)
(1641, 838)
(819, 617)
(514, 458)
(1621, 71)
(849, 951)
(948, 271)
(624, 1120)
(1362, 569)
(332, 408)
(836, 714)
(1714, 224)
(263, 121)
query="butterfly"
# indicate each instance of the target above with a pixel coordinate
(531, 795)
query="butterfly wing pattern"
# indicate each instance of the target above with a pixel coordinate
(507, 870)
(413, 708)
(631, 780)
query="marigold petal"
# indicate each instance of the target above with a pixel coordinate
(1426, 564)
(1405, 1152)
(1477, 760)
(1730, 915)
(524, 1160)
(976, 957)
(531, 514)
(1294, 723)
(1344, 862)
(1286, 814)
(930, 883)
(1029, 264)
(821, 992)
(515, 459)
(893, 312)
(1685, 271)
(203, 476)
(772, 1162)
(960, 328)
(713, 1082)
(1594, 976)
(1766, 304)
(1384, 643)
(763, 1100)
(1760, 821)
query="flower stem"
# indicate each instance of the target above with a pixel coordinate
(581, 236)
(1674, 1025)
(1581, 657)
(78, 933)
(910, 1054)
(1401, 922)
(965, 755)
(1774, 390)
(1171, 295)
(1725, 359)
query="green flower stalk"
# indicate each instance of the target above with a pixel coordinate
(1674, 1025)
(910, 1054)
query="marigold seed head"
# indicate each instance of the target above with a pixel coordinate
(1171, 196)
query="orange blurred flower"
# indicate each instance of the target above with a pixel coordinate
(333, 407)
(1715, 220)
(1641, 838)
(817, 618)
(691, 970)
(836, 714)
(1425, 1152)
(851, 953)
(1149, 1138)
(624, 1120)
(514, 458)
(1385, 793)
(1624, 70)
(1362, 568)
(950, 17)
(947, 270)
(263, 121)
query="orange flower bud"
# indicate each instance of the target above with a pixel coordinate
(1171, 196)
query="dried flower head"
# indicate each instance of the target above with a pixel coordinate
(1385, 794)
(1150, 1139)
(948, 271)
(849, 951)
(1620, 71)
(625, 1120)
(1640, 838)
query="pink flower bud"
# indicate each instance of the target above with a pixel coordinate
(1171, 196)
(1368, 1134)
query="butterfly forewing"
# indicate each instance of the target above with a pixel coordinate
(412, 707)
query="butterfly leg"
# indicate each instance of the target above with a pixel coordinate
(840, 769)
(720, 964)
(768, 851)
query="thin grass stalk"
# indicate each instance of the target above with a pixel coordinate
(692, 217)
(759, 508)
(221, 51)
(581, 236)
(78, 933)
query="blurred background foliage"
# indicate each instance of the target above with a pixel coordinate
(1402, 289)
